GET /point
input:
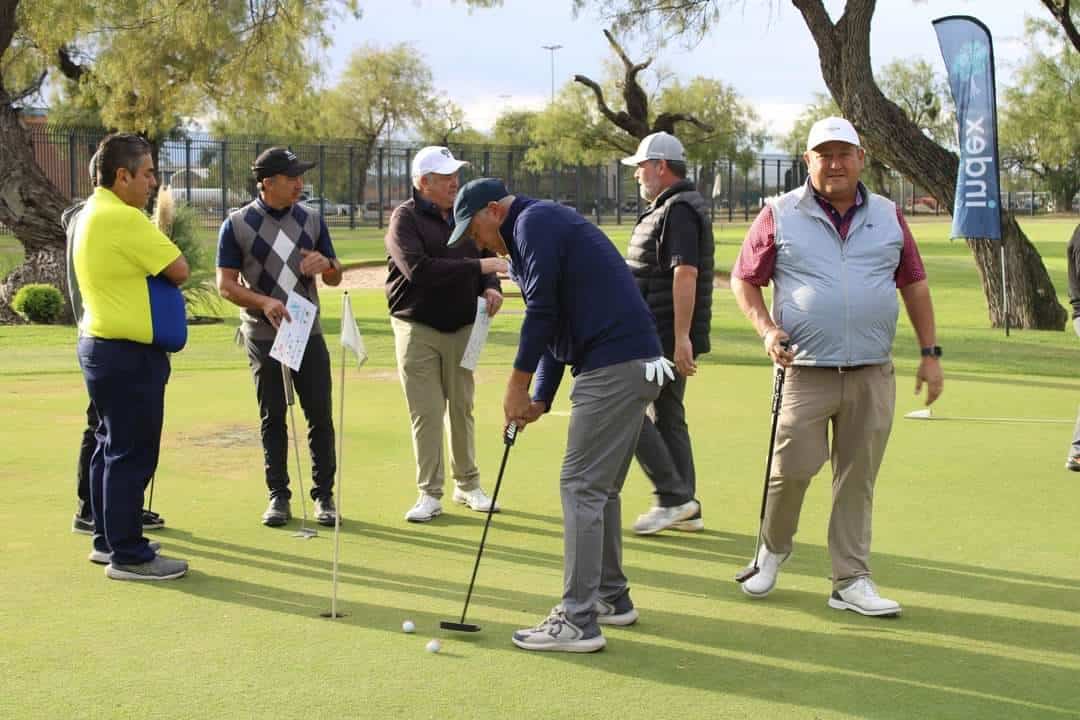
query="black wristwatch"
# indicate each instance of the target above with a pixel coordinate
(934, 351)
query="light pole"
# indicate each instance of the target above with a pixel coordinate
(551, 49)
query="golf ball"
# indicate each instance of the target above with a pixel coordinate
(408, 626)
(434, 646)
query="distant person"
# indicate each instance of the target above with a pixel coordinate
(431, 290)
(83, 520)
(266, 249)
(671, 258)
(836, 255)
(582, 310)
(118, 255)
(1073, 260)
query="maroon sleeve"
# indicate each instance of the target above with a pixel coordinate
(757, 258)
(910, 270)
(406, 248)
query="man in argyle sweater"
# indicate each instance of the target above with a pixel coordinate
(270, 247)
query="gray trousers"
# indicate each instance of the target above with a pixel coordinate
(607, 406)
(664, 451)
(1075, 450)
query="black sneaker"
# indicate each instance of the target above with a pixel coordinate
(151, 520)
(82, 525)
(325, 511)
(620, 611)
(277, 512)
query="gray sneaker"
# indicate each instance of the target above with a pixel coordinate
(325, 511)
(556, 633)
(160, 568)
(619, 612)
(103, 558)
(277, 512)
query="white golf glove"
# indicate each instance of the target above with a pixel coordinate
(657, 369)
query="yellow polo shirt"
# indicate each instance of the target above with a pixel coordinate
(116, 249)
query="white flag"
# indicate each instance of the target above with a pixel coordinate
(350, 334)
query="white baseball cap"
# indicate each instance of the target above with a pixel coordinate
(658, 146)
(435, 159)
(832, 129)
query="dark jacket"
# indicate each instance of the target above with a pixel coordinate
(649, 262)
(581, 306)
(1073, 263)
(428, 282)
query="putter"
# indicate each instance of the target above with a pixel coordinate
(777, 398)
(508, 438)
(304, 532)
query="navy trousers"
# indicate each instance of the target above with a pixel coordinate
(126, 381)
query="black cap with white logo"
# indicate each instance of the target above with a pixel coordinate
(279, 161)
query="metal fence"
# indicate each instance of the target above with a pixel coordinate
(212, 175)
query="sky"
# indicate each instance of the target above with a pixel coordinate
(489, 61)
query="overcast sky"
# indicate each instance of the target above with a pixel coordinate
(489, 60)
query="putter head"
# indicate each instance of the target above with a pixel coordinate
(923, 414)
(329, 614)
(305, 533)
(459, 627)
(746, 573)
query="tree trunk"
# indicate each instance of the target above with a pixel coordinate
(30, 206)
(844, 54)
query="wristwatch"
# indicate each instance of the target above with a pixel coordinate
(933, 351)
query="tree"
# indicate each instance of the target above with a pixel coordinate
(443, 123)
(380, 91)
(1067, 18)
(144, 65)
(924, 97)
(887, 133)
(1040, 129)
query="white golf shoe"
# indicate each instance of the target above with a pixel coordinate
(659, 518)
(476, 499)
(768, 568)
(425, 509)
(862, 597)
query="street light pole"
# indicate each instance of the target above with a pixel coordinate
(551, 49)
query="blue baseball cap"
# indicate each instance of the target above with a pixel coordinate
(471, 199)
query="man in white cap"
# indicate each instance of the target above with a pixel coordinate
(432, 292)
(836, 254)
(671, 258)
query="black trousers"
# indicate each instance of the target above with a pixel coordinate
(312, 384)
(663, 449)
(86, 451)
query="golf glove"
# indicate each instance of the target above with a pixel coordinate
(657, 369)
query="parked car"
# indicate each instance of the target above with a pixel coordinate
(326, 207)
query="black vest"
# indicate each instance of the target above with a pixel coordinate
(655, 282)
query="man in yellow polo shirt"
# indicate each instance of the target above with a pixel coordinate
(120, 260)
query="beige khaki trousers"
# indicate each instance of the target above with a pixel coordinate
(437, 387)
(859, 404)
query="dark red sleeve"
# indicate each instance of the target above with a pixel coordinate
(757, 258)
(910, 269)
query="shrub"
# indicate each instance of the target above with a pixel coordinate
(39, 302)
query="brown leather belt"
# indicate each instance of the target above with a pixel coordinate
(844, 369)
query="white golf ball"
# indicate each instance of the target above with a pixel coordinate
(433, 646)
(408, 626)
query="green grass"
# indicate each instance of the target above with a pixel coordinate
(975, 533)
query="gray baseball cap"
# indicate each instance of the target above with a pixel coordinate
(658, 146)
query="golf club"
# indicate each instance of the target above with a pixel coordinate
(926, 414)
(304, 532)
(777, 398)
(508, 438)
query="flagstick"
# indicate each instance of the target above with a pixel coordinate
(341, 447)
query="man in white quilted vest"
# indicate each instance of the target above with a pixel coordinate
(836, 255)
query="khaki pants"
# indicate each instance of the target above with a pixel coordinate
(435, 384)
(859, 403)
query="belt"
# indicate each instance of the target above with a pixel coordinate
(844, 368)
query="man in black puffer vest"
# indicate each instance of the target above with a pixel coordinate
(671, 257)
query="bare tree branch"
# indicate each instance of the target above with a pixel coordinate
(1063, 15)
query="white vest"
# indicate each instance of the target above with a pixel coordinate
(836, 298)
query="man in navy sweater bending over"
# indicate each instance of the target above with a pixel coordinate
(582, 309)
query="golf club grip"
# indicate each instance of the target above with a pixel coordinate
(510, 434)
(286, 378)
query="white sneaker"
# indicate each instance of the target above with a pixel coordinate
(425, 509)
(862, 597)
(768, 568)
(661, 518)
(476, 499)
(556, 633)
(101, 557)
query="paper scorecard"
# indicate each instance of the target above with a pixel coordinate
(478, 336)
(292, 336)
